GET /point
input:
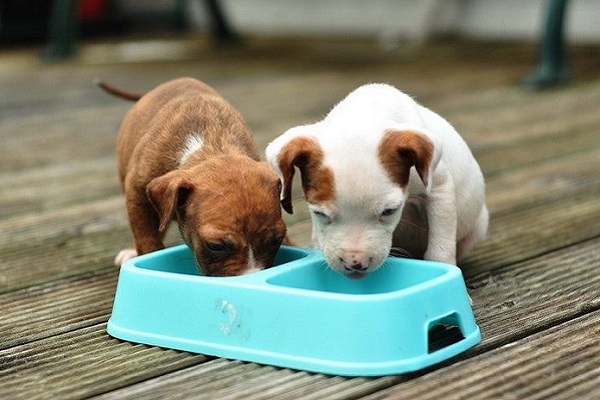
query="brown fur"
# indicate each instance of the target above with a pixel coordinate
(317, 180)
(223, 197)
(400, 150)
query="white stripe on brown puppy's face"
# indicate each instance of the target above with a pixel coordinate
(193, 143)
(252, 264)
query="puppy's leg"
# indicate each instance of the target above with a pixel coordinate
(144, 224)
(477, 233)
(442, 219)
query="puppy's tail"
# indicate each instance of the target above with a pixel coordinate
(115, 91)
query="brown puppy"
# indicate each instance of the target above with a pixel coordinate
(186, 154)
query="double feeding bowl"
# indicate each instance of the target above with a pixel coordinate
(405, 316)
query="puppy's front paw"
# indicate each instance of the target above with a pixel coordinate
(125, 255)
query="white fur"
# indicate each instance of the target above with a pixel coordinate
(193, 143)
(124, 255)
(251, 270)
(351, 229)
(252, 264)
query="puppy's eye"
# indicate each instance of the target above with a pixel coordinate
(389, 211)
(217, 247)
(320, 214)
(276, 242)
(324, 218)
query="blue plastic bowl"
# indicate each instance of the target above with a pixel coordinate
(298, 314)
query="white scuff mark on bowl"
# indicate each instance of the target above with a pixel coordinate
(230, 312)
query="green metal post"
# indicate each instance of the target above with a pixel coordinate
(62, 31)
(553, 67)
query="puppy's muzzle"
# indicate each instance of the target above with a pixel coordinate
(355, 261)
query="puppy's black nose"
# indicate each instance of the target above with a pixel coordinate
(355, 266)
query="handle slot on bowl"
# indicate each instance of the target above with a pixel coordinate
(444, 332)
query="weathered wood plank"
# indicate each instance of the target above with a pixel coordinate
(68, 241)
(535, 185)
(59, 307)
(82, 363)
(531, 232)
(537, 293)
(35, 191)
(572, 140)
(496, 117)
(218, 376)
(75, 134)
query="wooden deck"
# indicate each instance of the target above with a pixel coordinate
(535, 281)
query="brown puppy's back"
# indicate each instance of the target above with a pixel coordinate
(159, 123)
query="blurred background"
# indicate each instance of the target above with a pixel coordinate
(388, 20)
(400, 26)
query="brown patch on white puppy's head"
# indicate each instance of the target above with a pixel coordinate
(306, 154)
(401, 150)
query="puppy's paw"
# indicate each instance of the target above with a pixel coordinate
(125, 255)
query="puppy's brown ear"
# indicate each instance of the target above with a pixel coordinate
(401, 150)
(304, 153)
(166, 193)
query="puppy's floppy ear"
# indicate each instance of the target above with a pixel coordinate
(168, 192)
(293, 150)
(399, 150)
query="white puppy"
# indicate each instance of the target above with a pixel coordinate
(377, 157)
